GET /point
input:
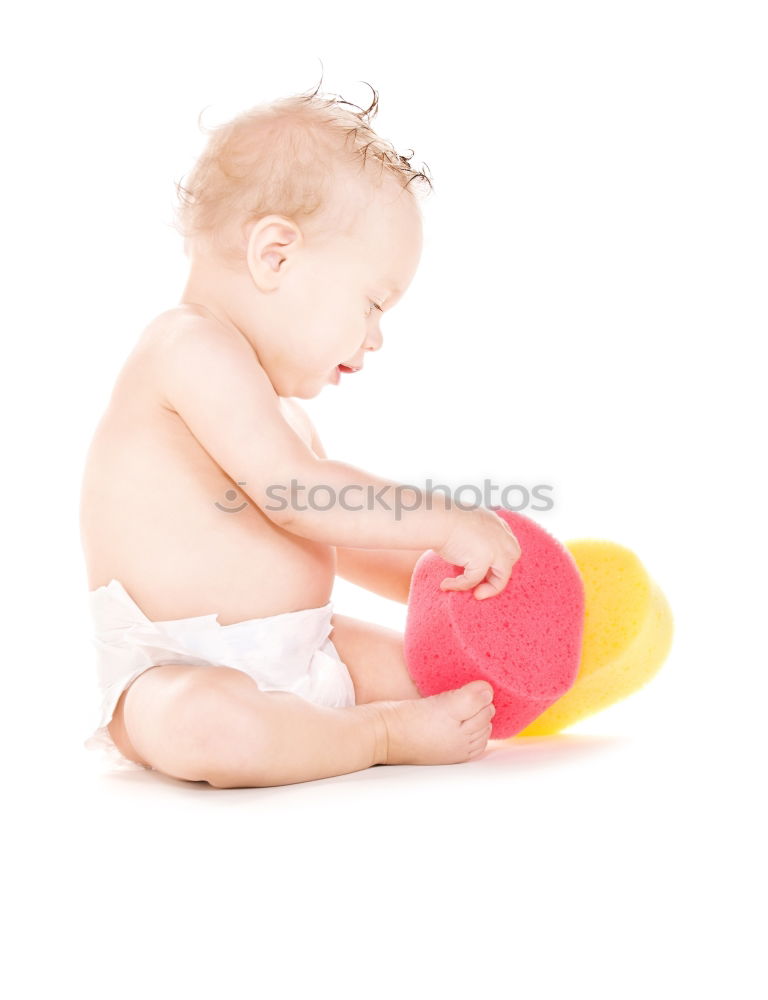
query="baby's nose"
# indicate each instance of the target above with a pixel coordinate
(374, 342)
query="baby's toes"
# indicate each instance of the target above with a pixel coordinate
(479, 742)
(478, 739)
(478, 722)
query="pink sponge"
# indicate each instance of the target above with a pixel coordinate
(525, 641)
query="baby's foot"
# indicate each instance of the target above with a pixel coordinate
(445, 728)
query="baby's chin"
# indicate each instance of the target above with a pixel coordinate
(303, 386)
(304, 393)
(310, 389)
(306, 389)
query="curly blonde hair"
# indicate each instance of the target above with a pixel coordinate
(284, 158)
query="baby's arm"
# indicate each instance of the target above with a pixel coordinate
(384, 571)
(213, 380)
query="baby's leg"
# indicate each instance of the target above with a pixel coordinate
(374, 657)
(214, 724)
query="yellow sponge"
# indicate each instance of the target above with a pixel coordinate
(627, 634)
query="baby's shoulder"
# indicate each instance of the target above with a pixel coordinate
(181, 339)
(182, 345)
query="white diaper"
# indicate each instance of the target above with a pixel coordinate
(286, 652)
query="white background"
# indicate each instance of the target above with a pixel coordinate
(590, 313)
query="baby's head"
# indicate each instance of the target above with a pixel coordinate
(301, 225)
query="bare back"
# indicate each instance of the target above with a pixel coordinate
(159, 515)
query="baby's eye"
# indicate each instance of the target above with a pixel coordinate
(375, 305)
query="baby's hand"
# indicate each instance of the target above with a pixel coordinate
(483, 543)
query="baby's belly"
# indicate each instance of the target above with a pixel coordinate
(192, 551)
(159, 515)
(250, 569)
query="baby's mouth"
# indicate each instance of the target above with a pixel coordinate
(348, 370)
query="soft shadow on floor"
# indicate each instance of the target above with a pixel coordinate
(147, 778)
(502, 757)
(513, 756)
(536, 751)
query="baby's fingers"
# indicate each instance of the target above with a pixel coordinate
(495, 581)
(466, 580)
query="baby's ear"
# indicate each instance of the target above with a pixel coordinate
(271, 241)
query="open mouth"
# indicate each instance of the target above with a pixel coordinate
(347, 370)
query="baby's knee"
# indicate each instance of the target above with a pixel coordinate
(209, 722)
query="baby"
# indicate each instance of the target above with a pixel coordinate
(220, 657)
